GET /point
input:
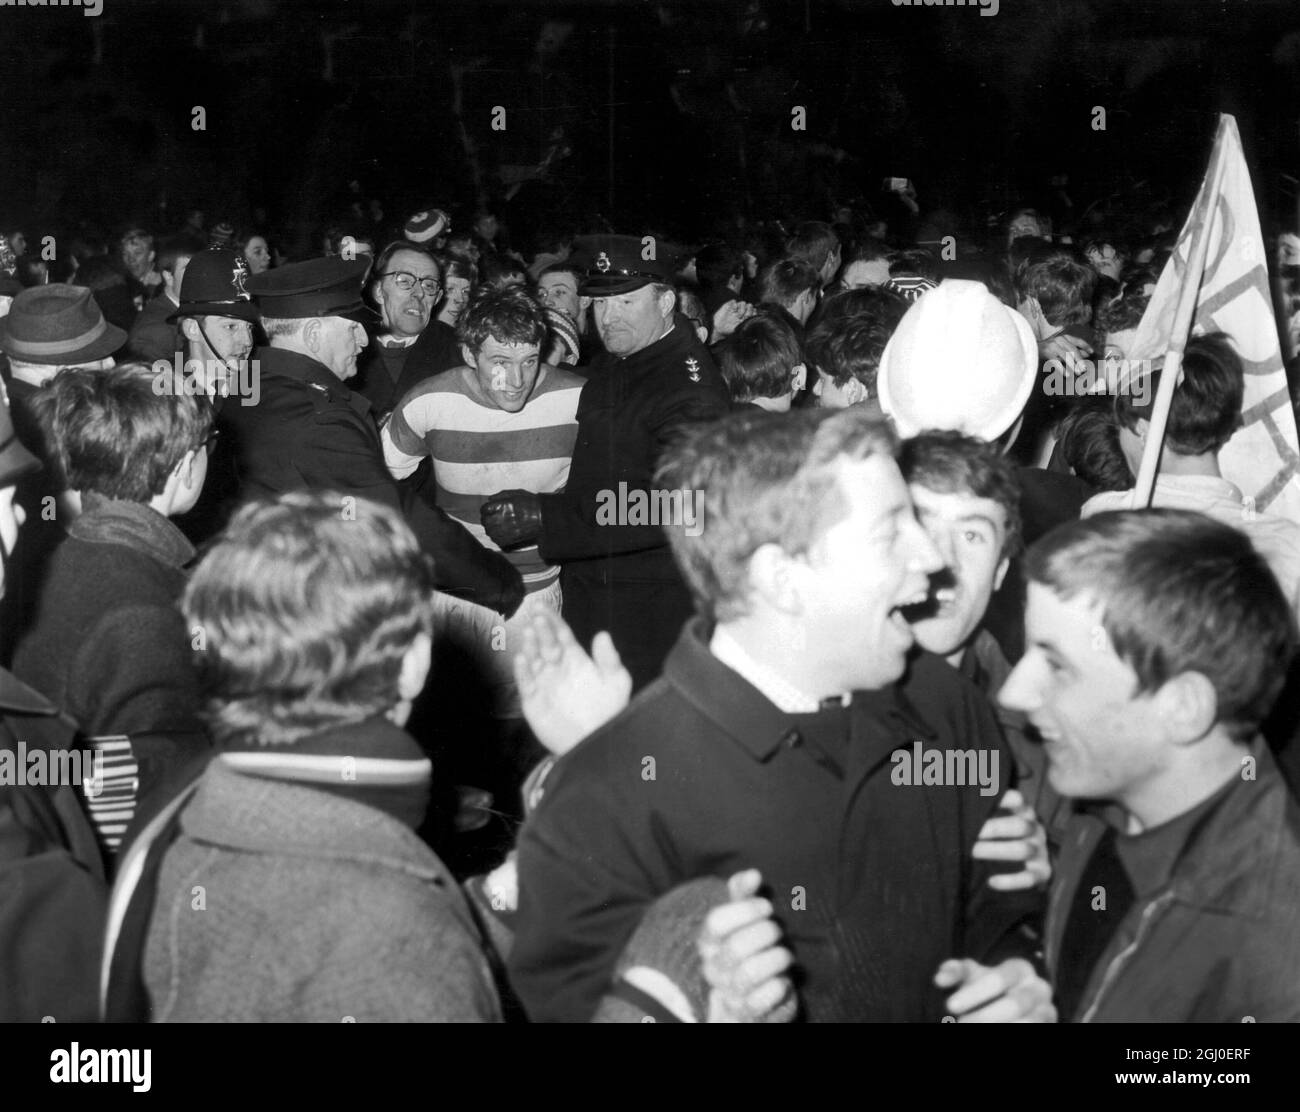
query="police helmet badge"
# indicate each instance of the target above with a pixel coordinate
(237, 275)
(603, 263)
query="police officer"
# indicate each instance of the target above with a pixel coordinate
(309, 431)
(653, 377)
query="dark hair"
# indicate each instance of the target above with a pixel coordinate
(457, 266)
(1206, 409)
(758, 359)
(1180, 593)
(849, 332)
(868, 250)
(813, 242)
(307, 613)
(1089, 440)
(949, 462)
(717, 264)
(915, 262)
(180, 246)
(766, 478)
(509, 315)
(784, 281)
(572, 269)
(1063, 285)
(385, 257)
(115, 435)
(691, 306)
(501, 270)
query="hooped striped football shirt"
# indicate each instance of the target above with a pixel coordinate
(478, 449)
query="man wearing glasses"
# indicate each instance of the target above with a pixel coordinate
(406, 285)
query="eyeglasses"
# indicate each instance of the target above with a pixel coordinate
(405, 281)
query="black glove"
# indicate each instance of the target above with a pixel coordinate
(512, 518)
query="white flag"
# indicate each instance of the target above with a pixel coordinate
(1263, 458)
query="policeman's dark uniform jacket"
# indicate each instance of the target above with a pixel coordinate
(621, 577)
(309, 431)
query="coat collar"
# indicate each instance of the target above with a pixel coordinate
(117, 521)
(291, 803)
(879, 721)
(17, 698)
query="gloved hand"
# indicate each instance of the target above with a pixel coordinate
(512, 518)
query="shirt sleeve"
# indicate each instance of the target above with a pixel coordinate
(403, 435)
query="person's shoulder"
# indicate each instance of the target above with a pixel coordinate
(1106, 501)
(658, 718)
(557, 379)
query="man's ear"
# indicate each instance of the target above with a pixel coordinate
(311, 334)
(415, 667)
(856, 392)
(189, 328)
(667, 302)
(467, 355)
(584, 303)
(1188, 707)
(1141, 428)
(773, 577)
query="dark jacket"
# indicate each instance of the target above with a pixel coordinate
(1047, 499)
(43, 531)
(701, 775)
(309, 431)
(109, 645)
(152, 337)
(1217, 942)
(435, 350)
(52, 887)
(618, 577)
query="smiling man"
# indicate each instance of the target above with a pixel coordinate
(654, 378)
(767, 742)
(1157, 642)
(503, 421)
(967, 497)
(310, 432)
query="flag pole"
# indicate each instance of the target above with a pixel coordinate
(1182, 325)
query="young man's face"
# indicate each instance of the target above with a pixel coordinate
(455, 298)
(559, 291)
(231, 339)
(1102, 740)
(506, 373)
(969, 533)
(862, 571)
(628, 322)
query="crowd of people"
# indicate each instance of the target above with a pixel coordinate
(756, 630)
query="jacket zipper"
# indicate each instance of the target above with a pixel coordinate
(1123, 955)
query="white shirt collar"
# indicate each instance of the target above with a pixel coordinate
(774, 687)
